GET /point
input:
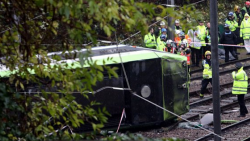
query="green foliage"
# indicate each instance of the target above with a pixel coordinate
(51, 110)
(136, 137)
(34, 28)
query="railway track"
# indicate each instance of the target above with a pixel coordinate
(228, 130)
(221, 65)
(224, 69)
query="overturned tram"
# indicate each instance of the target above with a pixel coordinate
(160, 77)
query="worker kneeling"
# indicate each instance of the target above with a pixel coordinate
(207, 73)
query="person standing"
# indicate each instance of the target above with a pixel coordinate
(201, 35)
(240, 87)
(246, 8)
(245, 32)
(178, 28)
(228, 37)
(208, 37)
(233, 25)
(238, 18)
(207, 73)
(149, 39)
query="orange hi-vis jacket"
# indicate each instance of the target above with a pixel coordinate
(178, 39)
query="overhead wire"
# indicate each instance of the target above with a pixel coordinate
(128, 84)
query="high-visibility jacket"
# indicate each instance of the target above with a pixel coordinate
(178, 39)
(201, 34)
(148, 40)
(232, 24)
(207, 72)
(160, 44)
(188, 59)
(245, 29)
(193, 38)
(240, 82)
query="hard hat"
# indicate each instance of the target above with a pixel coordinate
(169, 41)
(182, 34)
(247, 2)
(226, 26)
(177, 21)
(238, 65)
(162, 23)
(230, 14)
(163, 30)
(246, 15)
(207, 53)
(236, 7)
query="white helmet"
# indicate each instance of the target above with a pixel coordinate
(177, 32)
(177, 21)
(162, 23)
(169, 41)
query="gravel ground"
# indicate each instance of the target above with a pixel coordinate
(192, 134)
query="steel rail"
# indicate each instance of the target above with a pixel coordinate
(223, 108)
(221, 73)
(223, 65)
(208, 136)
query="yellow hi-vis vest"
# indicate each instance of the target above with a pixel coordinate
(148, 40)
(232, 25)
(202, 34)
(160, 44)
(240, 82)
(207, 72)
(245, 29)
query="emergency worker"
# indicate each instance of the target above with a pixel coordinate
(228, 37)
(245, 32)
(207, 73)
(208, 37)
(164, 32)
(233, 25)
(238, 18)
(169, 46)
(240, 87)
(183, 39)
(245, 9)
(161, 42)
(237, 15)
(194, 46)
(182, 48)
(162, 25)
(178, 28)
(201, 34)
(149, 39)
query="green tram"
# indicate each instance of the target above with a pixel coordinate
(159, 77)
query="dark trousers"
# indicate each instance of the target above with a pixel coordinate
(241, 101)
(204, 84)
(195, 56)
(232, 51)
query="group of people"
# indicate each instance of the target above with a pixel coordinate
(197, 42)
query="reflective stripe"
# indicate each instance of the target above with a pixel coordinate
(240, 90)
(240, 87)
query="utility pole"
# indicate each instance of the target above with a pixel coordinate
(171, 28)
(215, 68)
